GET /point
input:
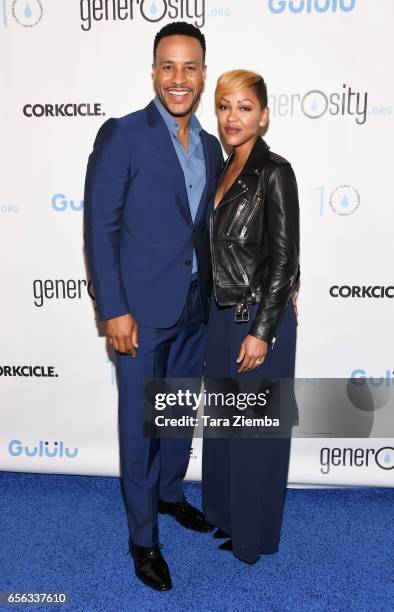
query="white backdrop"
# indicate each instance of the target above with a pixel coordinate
(328, 66)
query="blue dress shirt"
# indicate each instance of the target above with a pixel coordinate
(192, 161)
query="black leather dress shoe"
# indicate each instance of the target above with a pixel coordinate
(227, 545)
(151, 567)
(219, 534)
(186, 515)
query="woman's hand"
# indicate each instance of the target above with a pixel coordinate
(295, 307)
(252, 353)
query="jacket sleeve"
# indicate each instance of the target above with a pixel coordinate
(282, 223)
(106, 184)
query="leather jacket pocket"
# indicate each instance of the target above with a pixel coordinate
(237, 263)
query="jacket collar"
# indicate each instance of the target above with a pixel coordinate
(255, 159)
(252, 167)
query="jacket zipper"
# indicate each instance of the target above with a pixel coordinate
(282, 315)
(239, 265)
(212, 254)
(225, 202)
(250, 217)
(276, 289)
(237, 215)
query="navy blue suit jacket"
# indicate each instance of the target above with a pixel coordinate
(138, 230)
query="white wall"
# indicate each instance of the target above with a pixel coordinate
(311, 53)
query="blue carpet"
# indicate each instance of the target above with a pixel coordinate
(69, 533)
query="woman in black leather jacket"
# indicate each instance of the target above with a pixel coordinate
(254, 231)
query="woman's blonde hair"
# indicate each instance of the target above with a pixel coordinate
(231, 81)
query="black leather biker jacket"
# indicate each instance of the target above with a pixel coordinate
(254, 238)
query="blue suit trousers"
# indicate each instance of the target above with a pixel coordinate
(152, 468)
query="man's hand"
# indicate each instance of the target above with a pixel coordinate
(122, 334)
(252, 353)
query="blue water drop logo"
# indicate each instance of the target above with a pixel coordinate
(387, 458)
(345, 201)
(153, 8)
(27, 13)
(314, 105)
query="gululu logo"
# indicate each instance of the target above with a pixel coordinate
(316, 103)
(60, 203)
(343, 200)
(150, 10)
(27, 13)
(311, 6)
(361, 377)
(60, 289)
(42, 449)
(356, 458)
(64, 110)
(369, 393)
(362, 291)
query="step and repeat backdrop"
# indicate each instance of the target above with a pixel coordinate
(66, 67)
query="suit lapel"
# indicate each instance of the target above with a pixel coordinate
(161, 138)
(209, 186)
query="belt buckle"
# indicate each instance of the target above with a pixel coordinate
(241, 313)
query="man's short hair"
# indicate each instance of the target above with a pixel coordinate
(180, 28)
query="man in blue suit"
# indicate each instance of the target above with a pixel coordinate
(149, 189)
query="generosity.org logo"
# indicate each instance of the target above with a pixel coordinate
(150, 10)
(28, 371)
(9, 208)
(311, 6)
(60, 289)
(317, 103)
(68, 109)
(356, 457)
(362, 291)
(43, 449)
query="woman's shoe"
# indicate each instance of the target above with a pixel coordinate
(227, 545)
(219, 534)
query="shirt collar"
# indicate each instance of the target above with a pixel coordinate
(172, 123)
